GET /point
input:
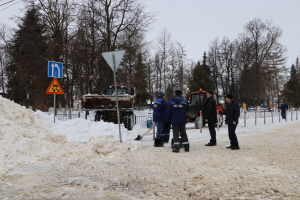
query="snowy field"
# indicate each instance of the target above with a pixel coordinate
(82, 159)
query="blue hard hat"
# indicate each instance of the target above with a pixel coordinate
(161, 94)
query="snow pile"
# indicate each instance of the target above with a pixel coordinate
(82, 159)
(28, 137)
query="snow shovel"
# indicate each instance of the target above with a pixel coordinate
(140, 137)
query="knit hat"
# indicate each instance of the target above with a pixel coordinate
(178, 92)
(229, 96)
(161, 94)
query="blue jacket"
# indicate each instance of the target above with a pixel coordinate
(283, 107)
(159, 110)
(232, 112)
(177, 109)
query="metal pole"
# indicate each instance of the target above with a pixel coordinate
(201, 121)
(114, 61)
(218, 123)
(296, 113)
(272, 115)
(264, 116)
(285, 115)
(244, 117)
(255, 117)
(54, 106)
(279, 114)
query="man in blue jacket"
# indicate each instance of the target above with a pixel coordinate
(232, 119)
(177, 109)
(283, 108)
(159, 116)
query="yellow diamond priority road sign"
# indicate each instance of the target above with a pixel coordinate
(54, 88)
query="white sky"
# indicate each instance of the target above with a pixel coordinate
(195, 23)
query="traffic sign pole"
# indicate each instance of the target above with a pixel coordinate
(113, 59)
(54, 106)
(116, 91)
(54, 88)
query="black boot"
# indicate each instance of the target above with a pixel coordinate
(211, 144)
(186, 147)
(180, 140)
(161, 143)
(235, 147)
(176, 148)
(157, 142)
(229, 146)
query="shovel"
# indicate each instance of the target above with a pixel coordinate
(140, 137)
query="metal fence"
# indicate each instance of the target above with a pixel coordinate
(141, 120)
(66, 117)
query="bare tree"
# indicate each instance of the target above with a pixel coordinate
(3, 58)
(222, 60)
(263, 39)
(163, 46)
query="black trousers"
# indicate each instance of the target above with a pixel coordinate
(232, 136)
(166, 131)
(212, 131)
(179, 129)
(283, 114)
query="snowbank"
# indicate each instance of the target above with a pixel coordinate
(82, 159)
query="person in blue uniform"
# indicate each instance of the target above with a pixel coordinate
(159, 115)
(177, 109)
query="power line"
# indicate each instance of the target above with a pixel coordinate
(10, 5)
(7, 2)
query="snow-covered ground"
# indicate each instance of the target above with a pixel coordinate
(83, 159)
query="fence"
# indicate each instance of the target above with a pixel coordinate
(275, 116)
(141, 120)
(66, 117)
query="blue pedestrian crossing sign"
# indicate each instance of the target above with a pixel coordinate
(55, 69)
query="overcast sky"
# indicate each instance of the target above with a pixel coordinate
(195, 23)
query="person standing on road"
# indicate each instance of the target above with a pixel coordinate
(232, 119)
(159, 115)
(283, 108)
(177, 109)
(210, 117)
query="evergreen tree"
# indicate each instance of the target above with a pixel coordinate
(200, 78)
(291, 90)
(140, 82)
(169, 93)
(27, 70)
(246, 87)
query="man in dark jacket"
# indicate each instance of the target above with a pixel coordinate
(177, 109)
(283, 108)
(210, 117)
(159, 115)
(232, 119)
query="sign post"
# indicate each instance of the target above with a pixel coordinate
(55, 70)
(54, 88)
(113, 59)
